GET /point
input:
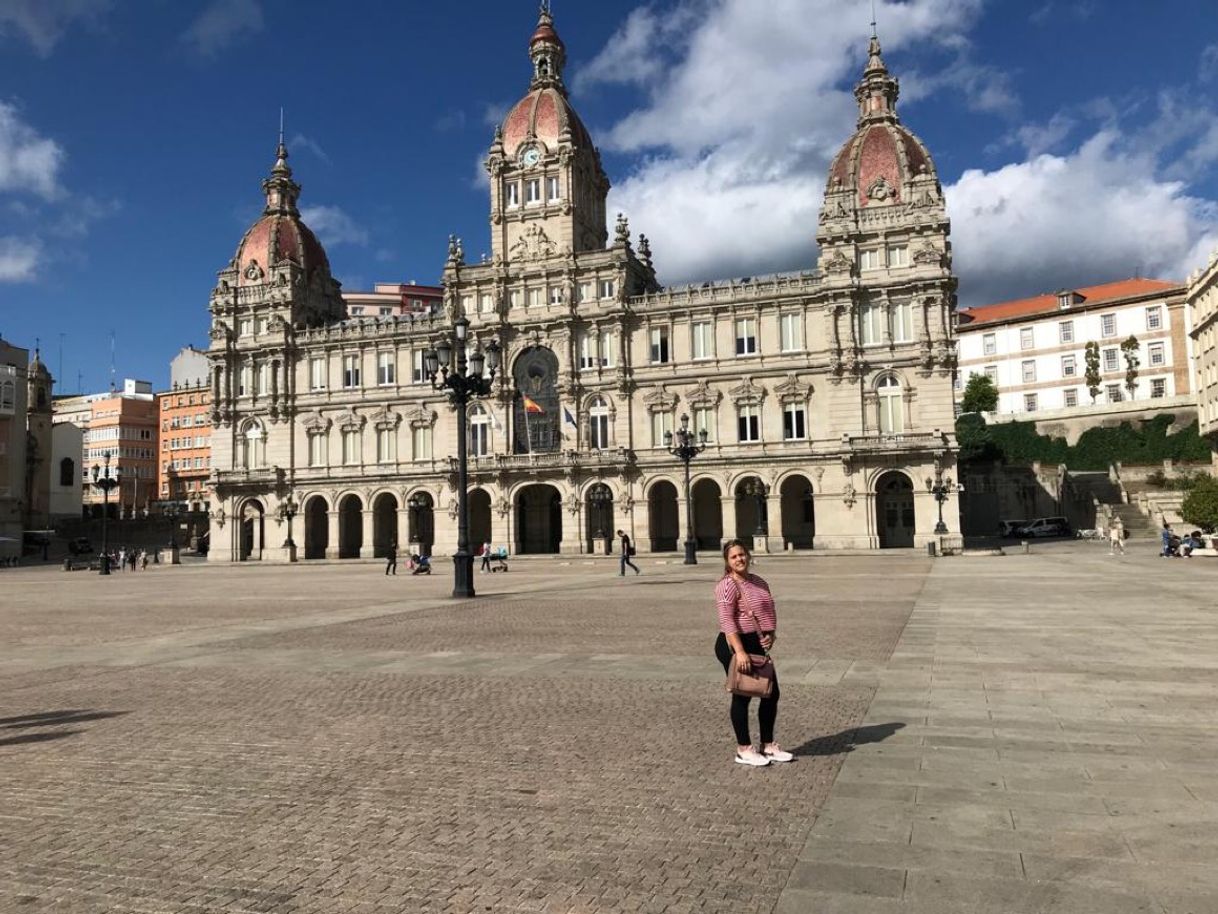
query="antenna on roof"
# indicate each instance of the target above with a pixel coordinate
(281, 125)
(112, 387)
(873, 32)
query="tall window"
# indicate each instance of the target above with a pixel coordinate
(386, 445)
(892, 411)
(1070, 397)
(422, 443)
(869, 260)
(793, 422)
(746, 336)
(479, 431)
(1111, 362)
(991, 372)
(1029, 370)
(1030, 403)
(598, 425)
(1154, 318)
(608, 288)
(1157, 354)
(535, 298)
(1158, 388)
(587, 352)
(661, 422)
(555, 295)
(587, 291)
(552, 190)
(871, 323)
(659, 345)
(253, 447)
(1107, 325)
(608, 348)
(898, 255)
(416, 367)
(748, 424)
(1065, 332)
(902, 322)
(244, 381)
(1114, 393)
(700, 338)
(486, 304)
(704, 421)
(317, 450)
(351, 371)
(317, 374)
(532, 191)
(264, 379)
(67, 472)
(791, 332)
(1026, 340)
(386, 370)
(989, 344)
(1069, 367)
(513, 194)
(351, 453)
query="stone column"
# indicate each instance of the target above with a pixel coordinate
(332, 534)
(367, 520)
(404, 546)
(773, 506)
(637, 523)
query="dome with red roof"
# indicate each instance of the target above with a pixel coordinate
(545, 116)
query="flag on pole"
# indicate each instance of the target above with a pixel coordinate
(531, 406)
(568, 418)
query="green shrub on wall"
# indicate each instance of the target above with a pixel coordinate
(1201, 504)
(1097, 448)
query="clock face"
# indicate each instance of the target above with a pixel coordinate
(530, 157)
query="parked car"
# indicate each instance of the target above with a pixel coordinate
(1047, 526)
(80, 546)
(1011, 527)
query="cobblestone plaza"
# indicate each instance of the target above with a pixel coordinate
(1019, 733)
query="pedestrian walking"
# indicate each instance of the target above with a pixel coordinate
(392, 564)
(134, 559)
(627, 552)
(1167, 537)
(748, 623)
(1116, 536)
(122, 559)
(144, 559)
(486, 556)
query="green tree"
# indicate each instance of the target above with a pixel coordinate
(1091, 358)
(1129, 349)
(974, 439)
(980, 395)
(1201, 504)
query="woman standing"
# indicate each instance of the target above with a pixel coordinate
(747, 623)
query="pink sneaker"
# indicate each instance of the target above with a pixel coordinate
(751, 756)
(776, 754)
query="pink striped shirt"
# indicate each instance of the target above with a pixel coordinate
(739, 603)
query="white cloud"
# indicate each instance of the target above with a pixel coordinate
(43, 22)
(333, 226)
(1208, 68)
(300, 141)
(29, 162)
(735, 155)
(19, 259)
(1096, 214)
(222, 23)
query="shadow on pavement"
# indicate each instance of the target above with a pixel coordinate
(36, 737)
(54, 718)
(846, 740)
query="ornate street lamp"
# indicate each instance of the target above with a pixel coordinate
(105, 480)
(757, 489)
(287, 510)
(600, 498)
(940, 486)
(464, 382)
(685, 446)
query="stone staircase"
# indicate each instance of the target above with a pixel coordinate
(1109, 500)
(1135, 522)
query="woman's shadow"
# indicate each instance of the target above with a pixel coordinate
(845, 741)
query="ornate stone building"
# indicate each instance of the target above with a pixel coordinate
(826, 395)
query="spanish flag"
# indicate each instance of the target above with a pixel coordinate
(531, 407)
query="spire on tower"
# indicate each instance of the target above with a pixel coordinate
(877, 91)
(547, 50)
(281, 191)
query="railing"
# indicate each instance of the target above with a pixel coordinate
(732, 290)
(262, 476)
(616, 457)
(904, 442)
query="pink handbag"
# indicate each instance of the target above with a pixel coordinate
(759, 681)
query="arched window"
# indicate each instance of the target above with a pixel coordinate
(67, 472)
(253, 446)
(598, 424)
(892, 409)
(479, 431)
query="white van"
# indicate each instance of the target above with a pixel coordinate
(1046, 526)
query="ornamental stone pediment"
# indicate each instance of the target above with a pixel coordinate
(316, 424)
(704, 395)
(351, 421)
(793, 389)
(422, 417)
(385, 418)
(660, 400)
(747, 392)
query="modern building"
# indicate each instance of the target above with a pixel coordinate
(392, 299)
(1035, 349)
(826, 395)
(1202, 299)
(184, 446)
(124, 425)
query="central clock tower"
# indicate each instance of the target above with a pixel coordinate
(548, 186)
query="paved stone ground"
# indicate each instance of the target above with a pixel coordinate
(325, 739)
(1037, 736)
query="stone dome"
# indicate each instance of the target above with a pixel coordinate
(546, 116)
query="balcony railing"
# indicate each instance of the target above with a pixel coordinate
(615, 457)
(260, 476)
(915, 441)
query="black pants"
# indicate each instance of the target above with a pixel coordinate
(767, 711)
(486, 561)
(392, 565)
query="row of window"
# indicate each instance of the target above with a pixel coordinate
(532, 191)
(605, 289)
(119, 452)
(1065, 330)
(1114, 392)
(187, 463)
(117, 432)
(183, 400)
(185, 422)
(1110, 362)
(874, 258)
(177, 444)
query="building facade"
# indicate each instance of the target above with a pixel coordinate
(25, 447)
(124, 425)
(184, 447)
(826, 395)
(1202, 297)
(1034, 349)
(395, 299)
(67, 479)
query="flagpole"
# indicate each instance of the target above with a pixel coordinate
(527, 433)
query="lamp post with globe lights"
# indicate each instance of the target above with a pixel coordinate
(757, 489)
(685, 446)
(464, 381)
(940, 487)
(105, 480)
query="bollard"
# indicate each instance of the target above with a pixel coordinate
(930, 550)
(1026, 547)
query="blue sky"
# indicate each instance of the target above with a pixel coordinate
(1077, 140)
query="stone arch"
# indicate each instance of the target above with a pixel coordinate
(751, 520)
(798, 511)
(896, 517)
(421, 517)
(538, 508)
(480, 517)
(665, 524)
(598, 501)
(252, 530)
(384, 523)
(708, 512)
(350, 526)
(316, 526)
(251, 445)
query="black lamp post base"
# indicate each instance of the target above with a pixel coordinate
(463, 575)
(940, 528)
(104, 565)
(691, 552)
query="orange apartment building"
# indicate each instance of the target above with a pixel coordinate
(125, 426)
(185, 446)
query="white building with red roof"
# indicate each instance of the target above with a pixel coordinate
(1035, 349)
